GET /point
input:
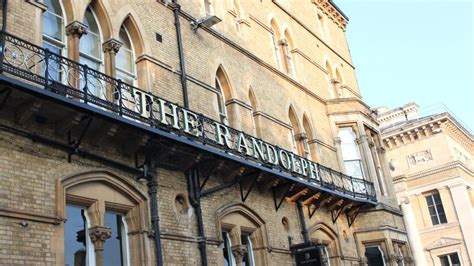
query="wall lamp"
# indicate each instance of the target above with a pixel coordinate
(207, 21)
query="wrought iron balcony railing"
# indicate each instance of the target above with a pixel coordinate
(57, 74)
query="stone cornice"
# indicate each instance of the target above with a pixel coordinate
(305, 56)
(30, 216)
(332, 11)
(261, 24)
(435, 170)
(324, 144)
(308, 29)
(405, 136)
(271, 118)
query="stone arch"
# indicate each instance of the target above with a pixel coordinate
(117, 182)
(226, 88)
(325, 234)
(307, 127)
(275, 28)
(252, 99)
(127, 17)
(293, 119)
(100, 10)
(339, 76)
(98, 191)
(238, 219)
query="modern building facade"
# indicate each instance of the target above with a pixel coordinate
(143, 133)
(432, 162)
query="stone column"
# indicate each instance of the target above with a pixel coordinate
(366, 155)
(464, 212)
(239, 252)
(340, 159)
(412, 230)
(99, 234)
(74, 32)
(110, 48)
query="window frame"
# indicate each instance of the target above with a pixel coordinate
(432, 195)
(448, 256)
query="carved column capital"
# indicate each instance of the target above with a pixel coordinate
(337, 141)
(76, 29)
(98, 235)
(301, 136)
(239, 252)
(112, 46)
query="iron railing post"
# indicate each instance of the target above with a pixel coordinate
(2, 55)
(86, 83)
(119, 91)
(46, 71)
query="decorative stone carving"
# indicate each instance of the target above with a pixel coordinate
(239, 252)
(76, 29)
(98, 235)
(443, 242)
(301, 136)
(419, 157)
(112, 46)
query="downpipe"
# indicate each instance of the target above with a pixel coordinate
(176, 8)
(152, 177)
(304, 231)
(194, 192)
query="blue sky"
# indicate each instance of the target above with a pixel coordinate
(414, 51)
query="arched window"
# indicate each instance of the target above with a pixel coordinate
(339, 82)
(350, 152)
(288, 46)
(333, 83)
(223, 95)
(253, 104)
(125, 59)
(100, 211)
(275, 36)
(322, 25)
(54, 34)
(295, 134)
(327, 239)
(244, 236)
(90, 52)
(307, 137)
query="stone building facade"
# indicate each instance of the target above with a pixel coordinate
(432, 162)
(140, 132)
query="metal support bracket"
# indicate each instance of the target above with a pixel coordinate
(351, 216)
(236, 180)
(77, 142)
(336, 213)
(254, 177)
(321, 199)
(289, 187)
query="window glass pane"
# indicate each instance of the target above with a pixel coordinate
(54, 69)
(374, 256)
(429, 200)
(227, 252)
(454, 259)
(444, 261)
(248, 258)
(353, 168)
(350, 150)
(113, 251)
(90, 43)
(75, 244)
(53, 21)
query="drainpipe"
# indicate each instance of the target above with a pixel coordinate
(304, 231)
(176, 8)
(195, 200)
(152, 177)
(4, 29)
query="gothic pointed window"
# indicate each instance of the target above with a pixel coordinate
(295, 134)
(125, 59)
(90, 51)
(253, 104)
(275, 37)
(223, 95)
(54, 35)
(306, 137)
(288, 46)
